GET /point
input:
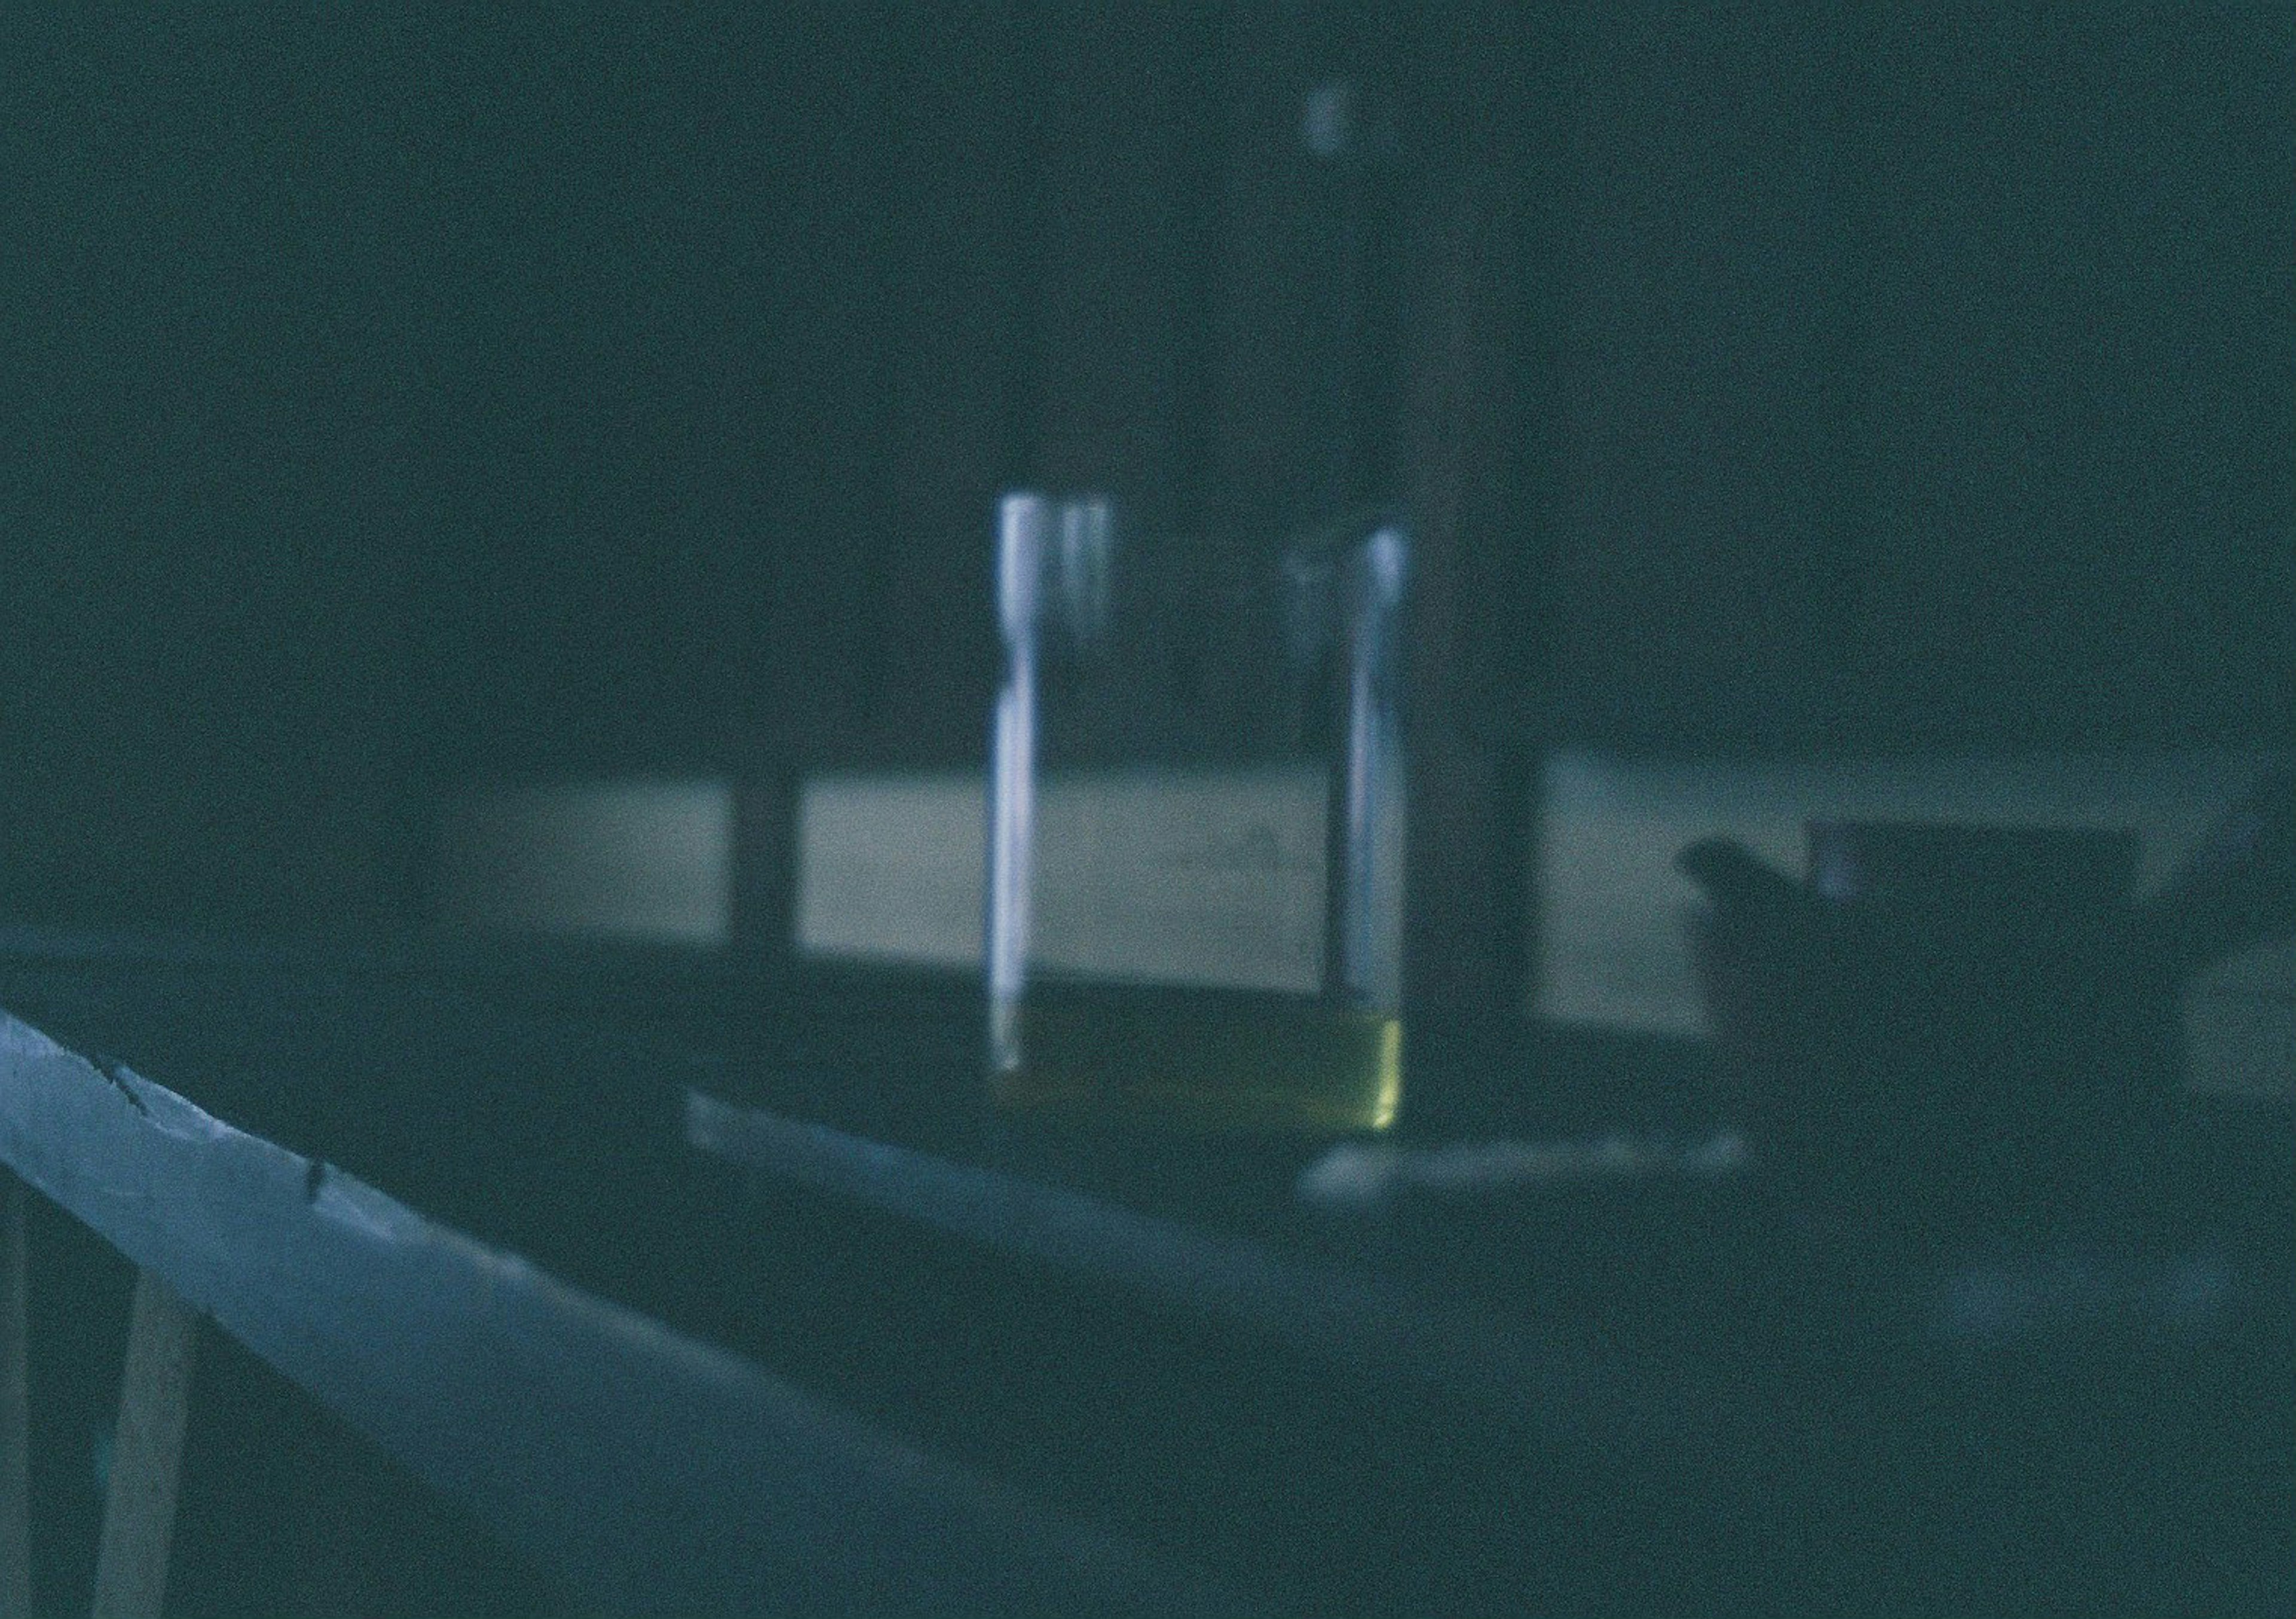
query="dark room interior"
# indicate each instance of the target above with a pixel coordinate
(1071, 806)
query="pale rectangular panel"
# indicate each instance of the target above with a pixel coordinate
(1202, 876)
(2239, 1024)
(1198, 876)
(641, 860)
(889, 866)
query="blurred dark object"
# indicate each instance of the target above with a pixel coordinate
(2237, 888)
(1984, 1002)
(1937, 875)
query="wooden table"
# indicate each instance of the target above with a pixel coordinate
(715, 1294)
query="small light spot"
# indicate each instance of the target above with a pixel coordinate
(1324, 120)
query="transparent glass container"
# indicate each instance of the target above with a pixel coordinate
(1195, 825)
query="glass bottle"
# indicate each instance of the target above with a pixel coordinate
(1195, 823)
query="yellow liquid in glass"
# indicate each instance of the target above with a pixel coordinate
(1204, 1059)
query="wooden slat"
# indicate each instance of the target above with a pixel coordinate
(139, 1513)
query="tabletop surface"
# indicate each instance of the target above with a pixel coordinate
(1563, 1332)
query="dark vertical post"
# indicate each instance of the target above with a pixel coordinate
(1279, 282)
(954, 336)
(815, 623)
(1466, 947)
(1112, 229)
(764, 860)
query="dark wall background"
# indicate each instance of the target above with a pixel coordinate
(404, 397)
(1938, 371)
